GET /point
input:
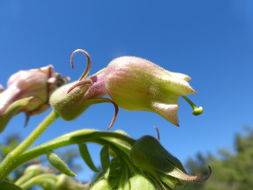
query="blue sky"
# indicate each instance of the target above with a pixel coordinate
(212, 41)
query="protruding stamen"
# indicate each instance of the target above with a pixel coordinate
(197, 110)
(80, 83)
(116, 110)
(87, 70)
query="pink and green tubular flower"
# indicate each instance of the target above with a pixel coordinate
(132, 83)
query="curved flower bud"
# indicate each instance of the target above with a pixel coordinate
(138, 84)
(73, 99)
(34, 84)
(69, 105)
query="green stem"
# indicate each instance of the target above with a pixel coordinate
(76, 137)
(38, 180)
(24, 178)
(12, 157)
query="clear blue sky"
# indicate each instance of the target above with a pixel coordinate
(212, 41)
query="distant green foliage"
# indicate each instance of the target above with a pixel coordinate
(8, 145)
(231, 171)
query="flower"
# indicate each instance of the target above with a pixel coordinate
(134, 83)
(28, 91)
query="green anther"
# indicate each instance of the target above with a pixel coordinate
(197, 110)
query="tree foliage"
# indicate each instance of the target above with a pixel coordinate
(233, 171)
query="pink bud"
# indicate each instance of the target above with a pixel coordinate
(37, 84)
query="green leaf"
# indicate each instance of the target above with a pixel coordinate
(15, 108)
(114, 173)
(105, 158)
(4, 185)
(59, 164)
(150, 156)
(83, 149)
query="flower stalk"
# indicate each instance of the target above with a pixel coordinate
(12, 157)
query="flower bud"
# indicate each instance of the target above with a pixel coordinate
(138, 182)
(138, 84)
(65, 183)
(30, 172)
(70, 105)
(71, 100)
(101, 184)
(34, 169)
(59, 164)
(34, 84)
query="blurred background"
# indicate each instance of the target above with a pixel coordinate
(211, 41)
